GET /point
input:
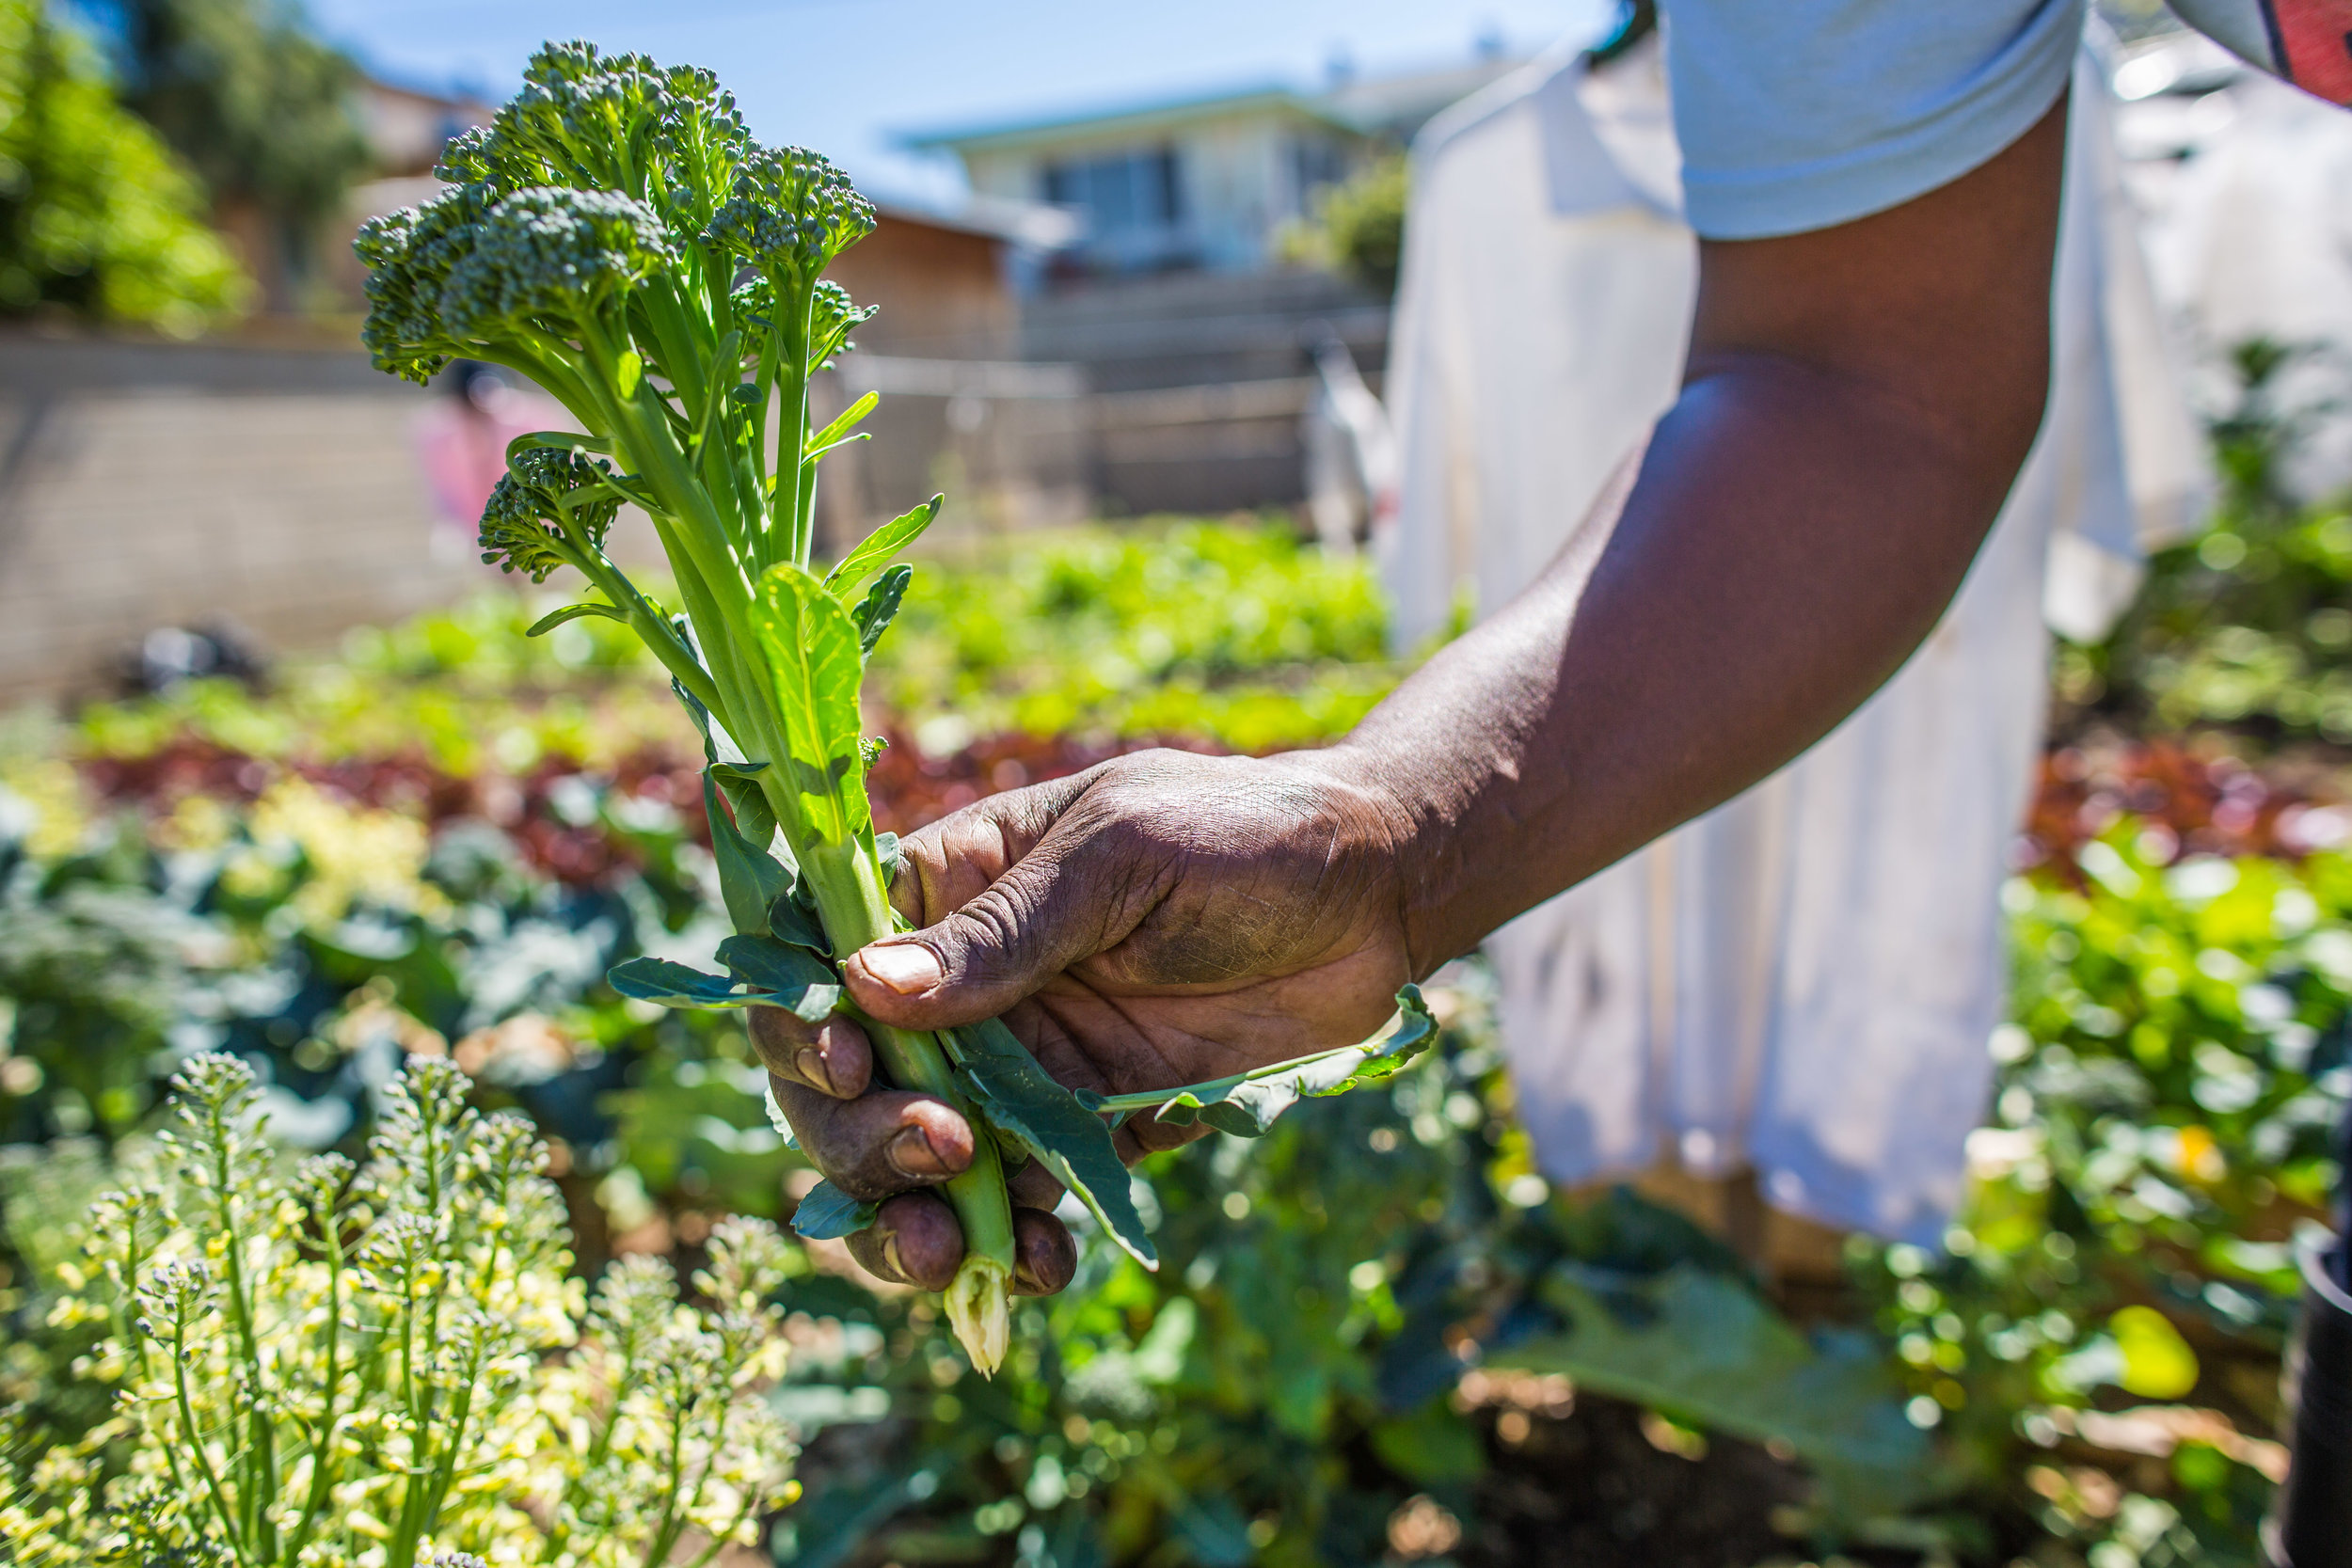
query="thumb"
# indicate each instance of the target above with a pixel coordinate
(1066, 901)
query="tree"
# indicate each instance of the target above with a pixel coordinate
(264, 111)
(1358, 229)
(97, 218)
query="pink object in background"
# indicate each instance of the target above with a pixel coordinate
(461, 438)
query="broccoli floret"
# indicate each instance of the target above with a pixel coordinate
(546, 261)
(832, 315)
(409, 255)
(522, 523)
(791, 214)
(670, 136)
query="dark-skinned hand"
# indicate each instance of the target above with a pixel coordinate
(1158, 920)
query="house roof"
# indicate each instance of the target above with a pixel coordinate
(1393, 104)
(1009, 134)
(1019, 223)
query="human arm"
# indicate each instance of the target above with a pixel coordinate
(1856, 403)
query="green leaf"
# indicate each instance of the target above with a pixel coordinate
(827, 1214)
(1704, 1344)
(560, 440)
(891, 853)
(796, 980)
(2157, 1362)
(880, 546)
(627, 371)
(674, 984)
(750, 879)
(791, 920)
(572, 612)
(1015, 1096)
(813, 658)
(874, 611)
(718, 746)
(750, 837)
(1247, 1103)
(843, 425)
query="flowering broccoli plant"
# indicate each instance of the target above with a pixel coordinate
(615, 235)
(387, 1365)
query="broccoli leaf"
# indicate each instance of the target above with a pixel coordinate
(797, 980)
(792, 920)
(874, 611)
(891, 853)
(842, 426)
(750, 879)
(827, 1214)
(1016, 1096)
(1247, 1103)
(812, 652)
(880, 546)
(572, 612)
(674, 984)
(558, 440)
(783, 977)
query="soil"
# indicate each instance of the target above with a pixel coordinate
(1592, 1490)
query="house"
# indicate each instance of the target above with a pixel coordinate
(1202, 182)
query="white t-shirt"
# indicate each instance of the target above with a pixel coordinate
(1802, 113)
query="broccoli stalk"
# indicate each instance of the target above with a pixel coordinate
(616, 236)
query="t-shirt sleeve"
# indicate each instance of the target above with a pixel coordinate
(1802, 113)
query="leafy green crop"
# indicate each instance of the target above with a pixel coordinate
(617, 236)
(385, 1364)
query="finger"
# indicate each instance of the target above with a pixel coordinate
(1082, 889)
(833, 1057)
(915, 1240)
(1140, 1136)
(1033, 1187)
(947, 864)
(879, 1143)
(1045, 1259)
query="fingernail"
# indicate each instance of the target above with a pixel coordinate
(911, 1154)
(811, 1062)
(1026, 1277)
(890, 1255)
(905, 967)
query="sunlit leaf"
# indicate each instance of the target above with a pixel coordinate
(1017, 1097)
(880, 546)
(1247, 1103)
(813, 658)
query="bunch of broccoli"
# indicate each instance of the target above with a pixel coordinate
(616, 236)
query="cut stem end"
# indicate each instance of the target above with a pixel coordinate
(980, 1311)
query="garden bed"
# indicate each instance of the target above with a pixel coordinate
(439, 845)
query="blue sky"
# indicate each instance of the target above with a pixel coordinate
(842, 75)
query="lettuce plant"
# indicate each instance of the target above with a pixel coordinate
(616, 236)
(383, 1366)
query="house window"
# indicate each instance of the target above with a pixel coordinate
(1129, 199)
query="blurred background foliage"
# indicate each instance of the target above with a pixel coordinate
(257, 105)
(1357, 226)
(98, 218)
(2247, 626)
